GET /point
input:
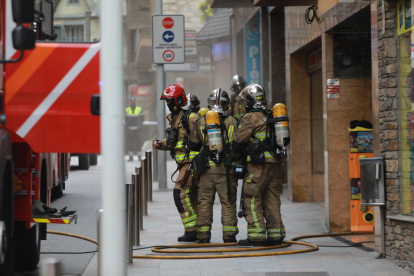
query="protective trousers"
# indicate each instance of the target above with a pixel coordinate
(261, 195)
(185, 199)
(208, 186)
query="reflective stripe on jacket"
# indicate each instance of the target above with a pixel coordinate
(137, 110)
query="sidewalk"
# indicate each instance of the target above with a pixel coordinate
(162, 226)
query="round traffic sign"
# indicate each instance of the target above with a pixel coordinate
(168, 55)
(168, 22)
(168, 36)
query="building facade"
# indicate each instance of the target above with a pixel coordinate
(346, 77)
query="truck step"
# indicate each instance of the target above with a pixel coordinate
(61, 220)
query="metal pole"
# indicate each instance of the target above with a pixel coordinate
(112, 140)
(100, 214)
(51, 267)
(162, 155)
(137, 223)
(144, 184)
(155, 165)
(88, 25)
(148, 156)
(138, 172)
(130, 190)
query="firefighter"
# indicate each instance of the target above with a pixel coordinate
(132, 131)
(237, 106)
(261, 186)
(213, 134)
(181, 121)
(194, 102)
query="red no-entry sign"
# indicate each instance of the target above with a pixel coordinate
(168, 23)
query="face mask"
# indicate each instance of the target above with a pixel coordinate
(172, 107)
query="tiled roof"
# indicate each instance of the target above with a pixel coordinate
(217, 26)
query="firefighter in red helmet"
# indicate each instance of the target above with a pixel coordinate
(181, 121)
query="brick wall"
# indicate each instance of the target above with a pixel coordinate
(399, 235)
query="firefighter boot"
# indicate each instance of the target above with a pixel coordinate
(229, 240)
(248, 242)
(273, 242)
(190, 236)
(204, 241)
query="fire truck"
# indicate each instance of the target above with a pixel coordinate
(49, 107)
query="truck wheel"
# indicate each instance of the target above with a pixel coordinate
(84, 161)
(57, 191)
(27, 246)
(93, 159)
(6, 215)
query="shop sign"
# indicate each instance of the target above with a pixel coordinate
(333, 88)
(404, 15)
(139, 90)
(253, 55)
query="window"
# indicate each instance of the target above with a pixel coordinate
(67, 21)
(74, 33)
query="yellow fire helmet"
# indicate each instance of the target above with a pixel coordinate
(202, 112)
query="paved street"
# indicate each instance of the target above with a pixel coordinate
(162, 226)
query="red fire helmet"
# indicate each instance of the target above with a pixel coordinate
(176, 93)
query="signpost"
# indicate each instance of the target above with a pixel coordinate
(168, 39)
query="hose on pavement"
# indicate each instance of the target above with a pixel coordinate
(167, 249)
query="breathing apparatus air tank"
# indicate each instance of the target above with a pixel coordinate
(215, 138)
(281, 126)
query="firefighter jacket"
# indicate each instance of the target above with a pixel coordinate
(136, 111)
(181, 153)
(238, 108)
(199, 138)
(251, 126)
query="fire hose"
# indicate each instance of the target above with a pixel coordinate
(168, 249)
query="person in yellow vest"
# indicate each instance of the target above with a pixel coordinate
(133, 109)
(132, 133)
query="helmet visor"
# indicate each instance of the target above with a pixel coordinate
(218, 102)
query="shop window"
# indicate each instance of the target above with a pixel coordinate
(221, 51)
(406, 108)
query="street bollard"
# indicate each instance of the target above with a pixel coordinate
(154, 165)
(144, 189)
(138, 209)
(148, 156)
(100, 214)
(130, 217)
(51, 267)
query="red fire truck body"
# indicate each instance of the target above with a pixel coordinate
(46, 113)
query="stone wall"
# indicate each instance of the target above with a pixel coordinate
(399, 235)
(189, 8)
